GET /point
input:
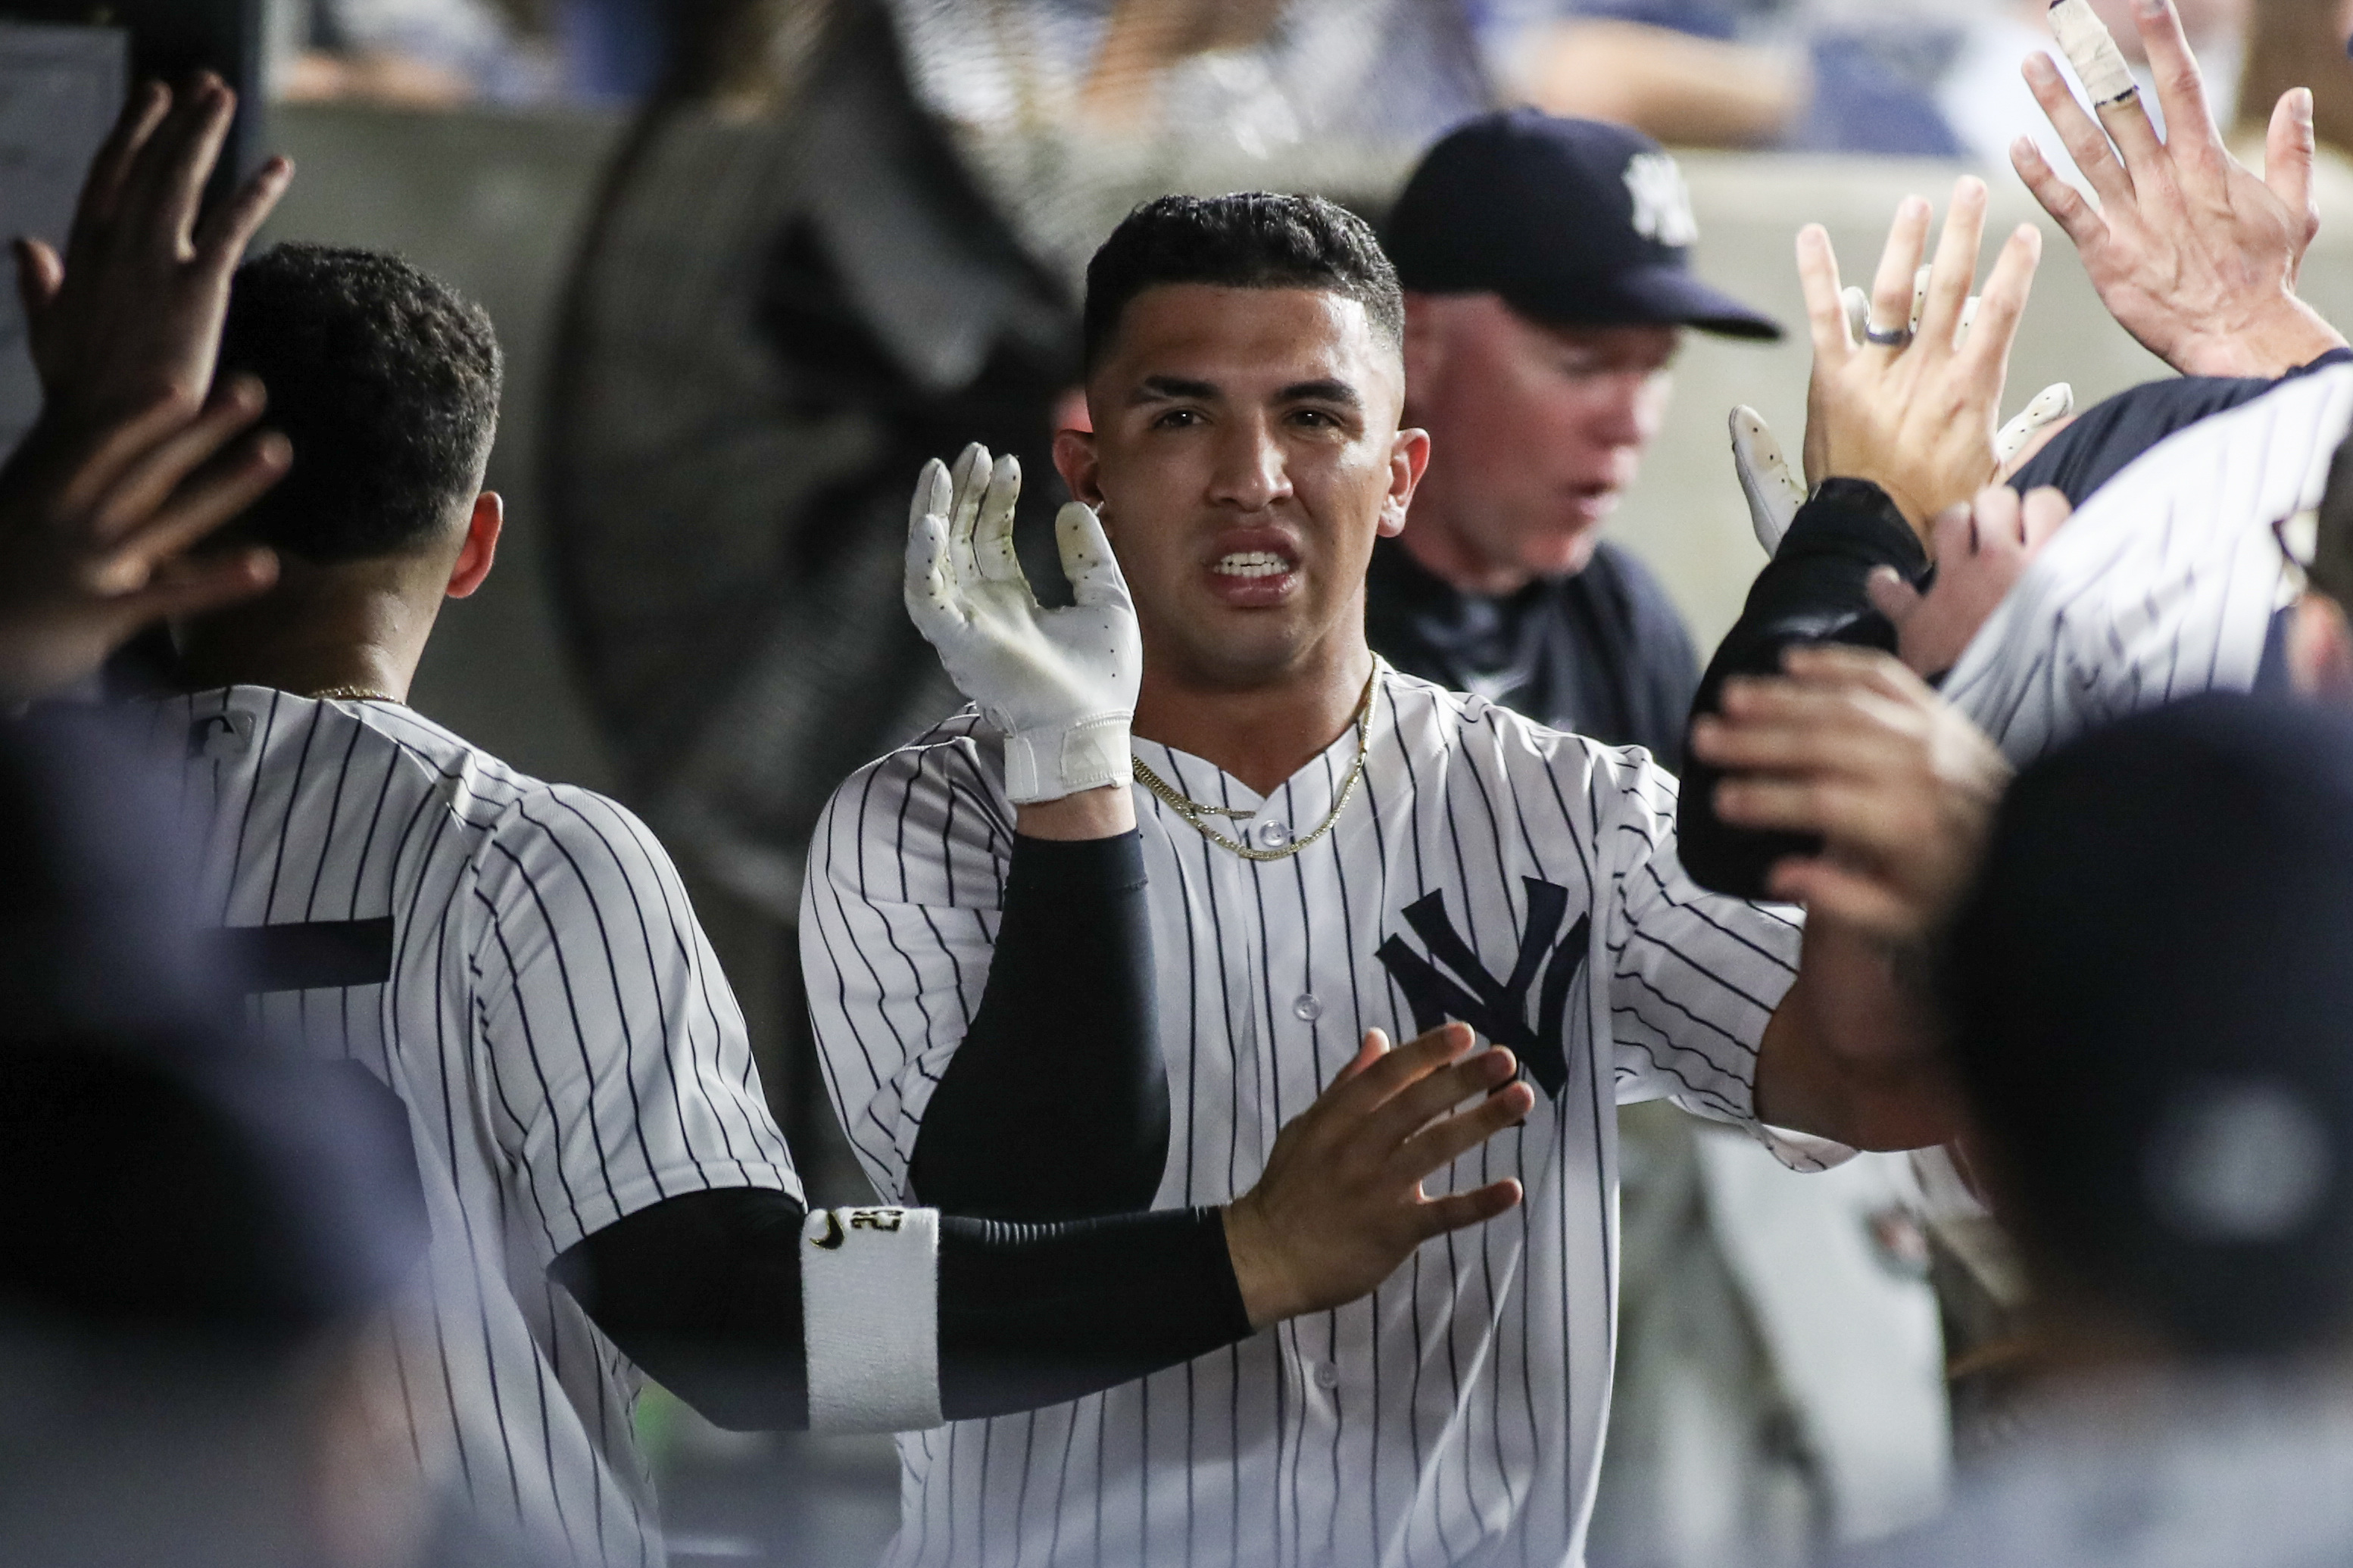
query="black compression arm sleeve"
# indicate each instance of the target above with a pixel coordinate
(1812, 591)
(1055, 1105)
(703, 1291)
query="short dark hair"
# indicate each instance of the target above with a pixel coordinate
(384, 379)
(1253, 240)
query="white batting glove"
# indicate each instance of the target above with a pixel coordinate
(1059, 684)
(2051, 404)
(1858, 308)
(1774, 494)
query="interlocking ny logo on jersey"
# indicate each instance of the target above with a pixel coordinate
(1496, 1009)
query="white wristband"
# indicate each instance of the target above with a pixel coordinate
(2085, 39)
(1062, 759)
(870, 1317)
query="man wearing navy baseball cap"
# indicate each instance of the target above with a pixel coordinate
(1546, 263)
(1548, 271)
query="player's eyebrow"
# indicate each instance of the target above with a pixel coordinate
(1171, 388)
(1324, 391)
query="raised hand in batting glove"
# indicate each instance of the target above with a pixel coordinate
(1059, 684)
(1774, 494)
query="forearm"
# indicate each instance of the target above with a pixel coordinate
(1813, 590)
(704, 1293)
(1851, 1053)
(1055, 1105)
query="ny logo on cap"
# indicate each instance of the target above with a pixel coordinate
(1663, 205)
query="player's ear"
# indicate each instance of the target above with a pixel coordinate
(482, 546)
(2320, 649)
(1408, 460)
(1074, 459)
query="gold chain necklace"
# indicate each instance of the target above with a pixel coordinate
(1198, 815)
(353, 694)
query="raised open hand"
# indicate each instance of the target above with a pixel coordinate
(2192, 253)
(130, 319)
(94, 532)
(136, 456)
(1913, 411)
(1060, 684)
(1340, 1206)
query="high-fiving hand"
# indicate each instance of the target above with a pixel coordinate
(2190, 252)
(1060, 685)
(1851, 745)
(1982, 549)
(1340, 1205)
(131, 317)
(1913, 411)
(137, 456)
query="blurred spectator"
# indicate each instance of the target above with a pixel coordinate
(1917, 78)
(1685, 71)
(615, 51)
(426, 54)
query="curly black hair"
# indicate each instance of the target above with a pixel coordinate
(1254, 239)
(384, 378)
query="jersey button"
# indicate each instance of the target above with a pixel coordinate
(1270, 834)
(1327, 1376)
(1308, 1007)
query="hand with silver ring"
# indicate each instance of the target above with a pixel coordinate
(1919, 418)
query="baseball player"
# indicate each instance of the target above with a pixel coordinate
(2198, 259)
(514, 971)
(1319, 845)
(2171, 578)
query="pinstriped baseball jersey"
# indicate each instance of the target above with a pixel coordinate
(2165, 583)
(1488, 869)
(518, 964)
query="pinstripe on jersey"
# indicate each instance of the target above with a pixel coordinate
(555, 1026)
(1456, 1414)
(2166, 581)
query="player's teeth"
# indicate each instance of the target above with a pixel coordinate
(1252, 563)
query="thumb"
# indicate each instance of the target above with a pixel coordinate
(1858, 311)
(1891, 596)
(2052, 404)
(1087, 559)
(2290, 149)
(1772, 492)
